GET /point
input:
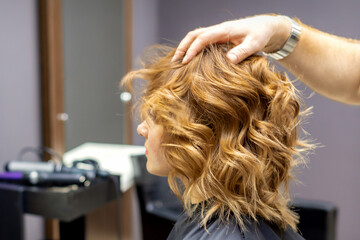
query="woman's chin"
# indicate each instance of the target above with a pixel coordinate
(157, 171)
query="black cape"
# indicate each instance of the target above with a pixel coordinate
(187, 228)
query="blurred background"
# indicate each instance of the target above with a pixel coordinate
(94, 59)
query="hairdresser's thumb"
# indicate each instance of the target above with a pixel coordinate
(238, 53)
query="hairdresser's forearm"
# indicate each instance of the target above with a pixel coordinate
(329, 65)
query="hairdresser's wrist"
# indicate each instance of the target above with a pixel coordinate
(281, 29)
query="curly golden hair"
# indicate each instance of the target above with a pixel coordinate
(230, 132)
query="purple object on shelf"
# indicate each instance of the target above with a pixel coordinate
(11, 176)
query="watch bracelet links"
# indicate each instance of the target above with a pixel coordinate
(289, 44)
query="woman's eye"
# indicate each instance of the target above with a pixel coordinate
(152, 115)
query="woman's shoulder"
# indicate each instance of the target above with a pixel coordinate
(189, 229)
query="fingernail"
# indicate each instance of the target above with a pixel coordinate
(174, 58)
(185, 59)
(232, 57)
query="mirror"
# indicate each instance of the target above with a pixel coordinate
(94, 60)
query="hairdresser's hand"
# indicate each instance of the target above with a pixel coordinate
(249, 35)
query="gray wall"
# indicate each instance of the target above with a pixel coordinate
(20, 88)
(333, 171)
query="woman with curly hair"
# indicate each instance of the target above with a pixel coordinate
(225, 135)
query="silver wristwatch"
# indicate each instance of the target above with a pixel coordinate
(290, 43)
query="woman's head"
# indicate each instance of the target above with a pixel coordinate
(228, 132)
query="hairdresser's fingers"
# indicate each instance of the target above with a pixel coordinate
(250, 35)
(197, 39)
(238, 32)
(245, 49)
(185, 43)
(196, 46)
(209, 35)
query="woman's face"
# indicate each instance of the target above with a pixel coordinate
(156, 162)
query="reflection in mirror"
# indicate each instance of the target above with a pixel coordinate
(94, 62)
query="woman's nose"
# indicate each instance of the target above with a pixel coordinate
(142, 129)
